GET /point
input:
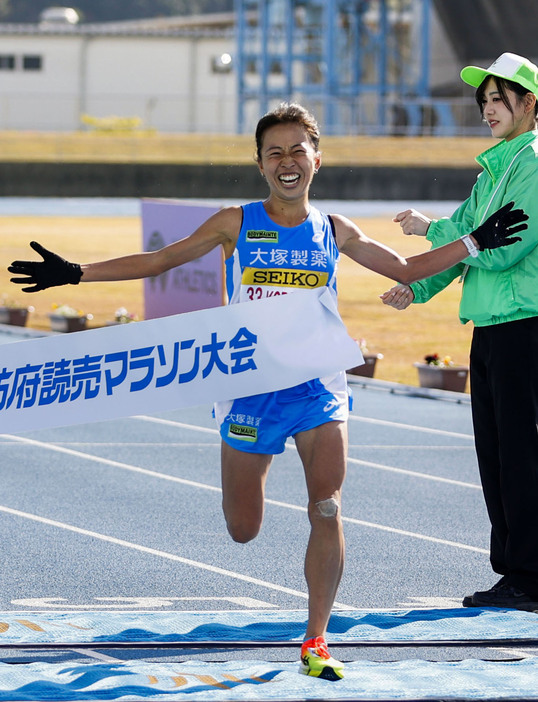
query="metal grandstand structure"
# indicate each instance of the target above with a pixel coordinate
(360, 65)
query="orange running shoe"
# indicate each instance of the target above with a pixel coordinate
(318, 662)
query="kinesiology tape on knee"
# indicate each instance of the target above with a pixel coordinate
(328, 508)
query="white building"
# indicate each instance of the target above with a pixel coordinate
(174, 73)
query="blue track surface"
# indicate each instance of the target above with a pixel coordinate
(119, 520)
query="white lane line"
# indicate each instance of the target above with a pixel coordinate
(421, 602)
(117, 464)
(204, 486)
(414, 535)
(355, 417)
(411, 427)
(355, 461)
(130, 444)
(161, 554)
(392, 530)
(172, 423)
(413, 473)
(114, 464)
(138, 603)
(391, 447)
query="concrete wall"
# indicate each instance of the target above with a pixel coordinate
(242, 182)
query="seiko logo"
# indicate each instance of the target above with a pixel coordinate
(284, 277)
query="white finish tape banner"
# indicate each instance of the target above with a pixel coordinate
(177, 361)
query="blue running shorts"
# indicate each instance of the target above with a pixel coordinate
(263, 423)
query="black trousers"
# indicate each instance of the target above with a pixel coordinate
(504, 397)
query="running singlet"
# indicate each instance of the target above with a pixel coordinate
(270, 259)
(273, 260)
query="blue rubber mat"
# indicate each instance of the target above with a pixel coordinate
(25, 628)
(259, 680)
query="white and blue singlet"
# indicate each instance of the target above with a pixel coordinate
(270, 259)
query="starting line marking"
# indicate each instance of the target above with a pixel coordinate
(118, 603)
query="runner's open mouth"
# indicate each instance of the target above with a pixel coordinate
(289, 178)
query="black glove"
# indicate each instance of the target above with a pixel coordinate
(498, 230)
(53, 270)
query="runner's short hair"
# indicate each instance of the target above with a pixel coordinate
(288, 113)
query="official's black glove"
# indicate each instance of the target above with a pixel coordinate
(53, 270)
(499, 229)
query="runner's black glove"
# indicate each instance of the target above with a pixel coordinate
(53, 270)
(499, 229)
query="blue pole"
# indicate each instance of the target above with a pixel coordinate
(240, 63)
(424, 86)
(383, 63)
(329, 64)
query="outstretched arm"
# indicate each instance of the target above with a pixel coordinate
(498, 230)
(221, 228)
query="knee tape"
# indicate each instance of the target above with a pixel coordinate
(328, 508)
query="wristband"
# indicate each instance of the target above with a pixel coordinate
(471, 248)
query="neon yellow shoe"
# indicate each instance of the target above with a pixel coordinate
(318, 662)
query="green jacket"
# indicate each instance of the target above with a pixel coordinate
(499, 285)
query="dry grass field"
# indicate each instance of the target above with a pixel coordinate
(402, 337)
(98, 147)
